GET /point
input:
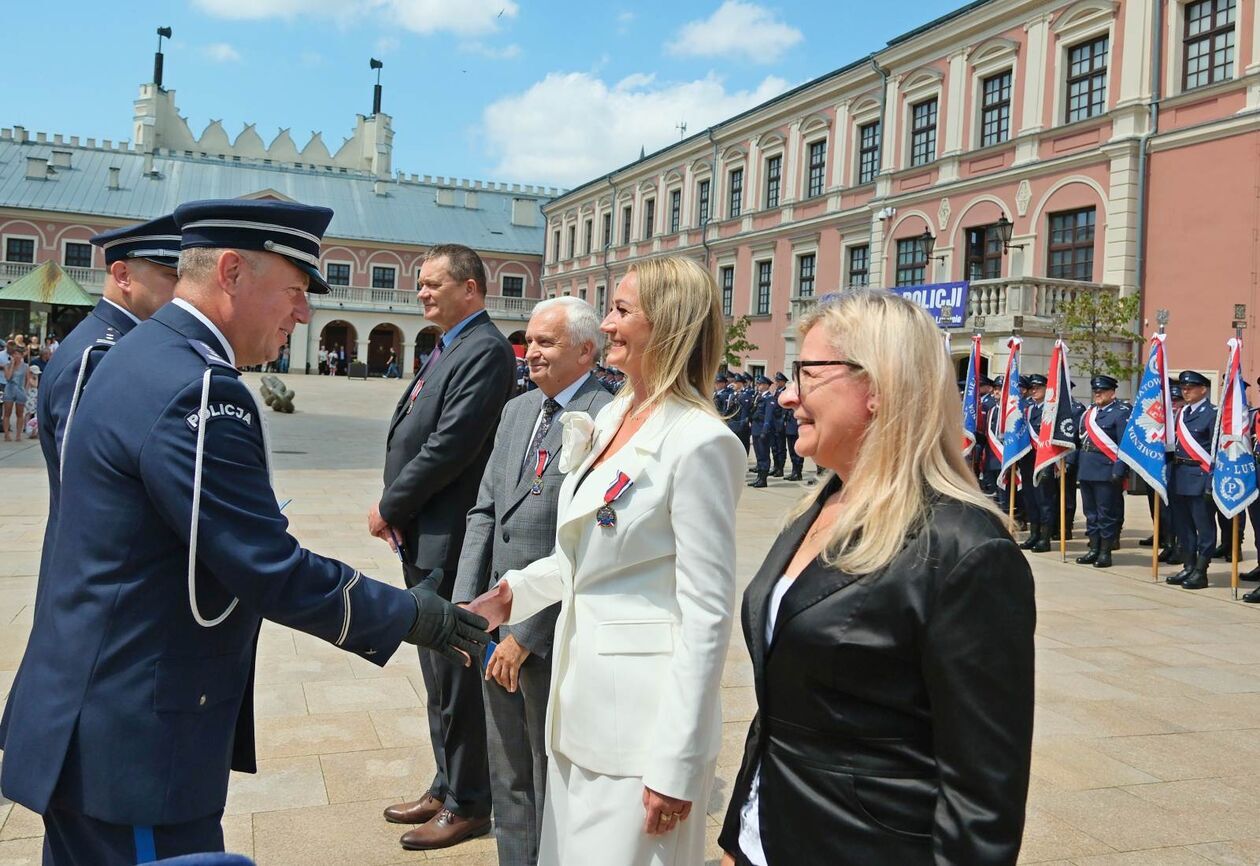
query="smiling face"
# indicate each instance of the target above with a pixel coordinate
(1193, 393)
(835, 408)
(627, 328)
(555, 362)
(270, 301)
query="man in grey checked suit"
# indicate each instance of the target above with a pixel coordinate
(513, 524)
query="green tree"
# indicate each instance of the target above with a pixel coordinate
(737, 343)
(1099, 328)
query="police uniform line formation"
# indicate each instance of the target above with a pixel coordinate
(750, 405)
(166, 547)
(1188, 524)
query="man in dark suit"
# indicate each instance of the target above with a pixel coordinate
(513, 524)
(439, 441)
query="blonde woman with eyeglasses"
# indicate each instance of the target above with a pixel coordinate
(644, 570)
(890, 626)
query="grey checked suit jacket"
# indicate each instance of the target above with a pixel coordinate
(510, 528)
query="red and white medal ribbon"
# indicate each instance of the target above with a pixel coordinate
(1187, 441)
(1099, 436)
(606, 517)
(536, 488)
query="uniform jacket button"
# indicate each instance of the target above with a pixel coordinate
(506, 536)
(201, 701)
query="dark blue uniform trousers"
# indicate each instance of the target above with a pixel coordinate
(1102, 501)
(798, 462)
(761, 444)
(778, 448)
(1194, 517)
(74, 839)
(1045, 498)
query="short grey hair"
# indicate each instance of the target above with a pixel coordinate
(581, 318)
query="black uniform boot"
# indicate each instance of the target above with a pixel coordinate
(1104, 554)
(1149, 541)
(1198, 578)
(795, 476)
(1180, 577)
(1043, 543)
(1252, 575)
(1034, 537)
(1221, 552)
(1092, 556)
(761, 480)
(777, 473)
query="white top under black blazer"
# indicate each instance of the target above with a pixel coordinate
(647, 605)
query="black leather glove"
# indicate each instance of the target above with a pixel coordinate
(445, 628)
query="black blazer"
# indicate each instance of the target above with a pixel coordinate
(435, 455)
(896, 708)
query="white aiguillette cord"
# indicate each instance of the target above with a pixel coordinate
(203, 416)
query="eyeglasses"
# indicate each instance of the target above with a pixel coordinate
(797, 365)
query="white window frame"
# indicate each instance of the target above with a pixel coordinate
(670, 229)
(869, 113)
(1175, 39)
(815, 130)
(373, 266)
(729, 260)
(774, 146)
(523, 277)
(994, 57)
(4, 249)
(846, 261)
(924, 84)
(759, 257)
(65, 242)
(327, 262)
(798, 253)
(1084, 22)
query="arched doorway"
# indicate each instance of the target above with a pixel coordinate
(517, 339)
(341, 340)
(425, 341)
(385, 339)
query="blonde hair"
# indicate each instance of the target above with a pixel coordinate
(911, 452)
(681, 302)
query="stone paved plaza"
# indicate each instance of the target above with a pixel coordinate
(1148, 697)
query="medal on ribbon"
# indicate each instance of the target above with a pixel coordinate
(606, 516)
(535, 489)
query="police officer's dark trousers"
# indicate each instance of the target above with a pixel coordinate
(798, 462)
(457, 720)
(1102, 501)
(778, 449)
(74, 839)
(761, 444)
(1196, 527)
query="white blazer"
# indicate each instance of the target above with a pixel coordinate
(646, 606)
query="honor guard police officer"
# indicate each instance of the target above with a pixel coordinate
(1101, 473)
(1193, 513)
(762, 407)
(140, 263)
(135, 695)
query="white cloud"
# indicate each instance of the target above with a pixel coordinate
(387, 44)
(491, 52)
(468, 17)
(221, 52)
(736, 28)
(624, 20)
(572, 127)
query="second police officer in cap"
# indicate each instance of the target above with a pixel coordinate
(1100, 472)
(140, 263)
(135, 695)
(778, 427)
(761, 421)
(1043, 497)
(1192, 511)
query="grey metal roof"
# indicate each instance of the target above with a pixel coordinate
(408, 213)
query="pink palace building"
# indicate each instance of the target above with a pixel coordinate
(57, 191)
(1035, 149)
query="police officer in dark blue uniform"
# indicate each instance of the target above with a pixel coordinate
(988, 401)
(1171, 552)
(761, 421)
(736, 410)
(747, 399)
(135, 695)
(1193, 513)
(140, 263)
(778, 428)
(1072, 464)
(721, 394)
(1101, 473)
(791, 430)
(1043, 497)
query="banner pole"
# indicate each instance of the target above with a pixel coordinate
(1155, 544)
(1063, 509)
(1010, 490)
(1233, 571)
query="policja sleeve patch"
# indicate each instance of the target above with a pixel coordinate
(221, 410)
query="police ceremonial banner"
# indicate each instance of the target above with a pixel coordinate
(1234, 471)
(1057, 435)
(1013, 425)
(1148, 437)
(936, 297)
(971, 397)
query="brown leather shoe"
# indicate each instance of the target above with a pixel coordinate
(415, 811)
(444, 830)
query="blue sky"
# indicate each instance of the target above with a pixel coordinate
(509, 90)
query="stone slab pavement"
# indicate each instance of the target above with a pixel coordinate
(1147, 748)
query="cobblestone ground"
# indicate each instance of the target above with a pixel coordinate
(1148, 697)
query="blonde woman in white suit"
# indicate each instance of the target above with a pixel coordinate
(644, 569)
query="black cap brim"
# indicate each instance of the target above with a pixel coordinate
(171, 262)
(319, 285)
